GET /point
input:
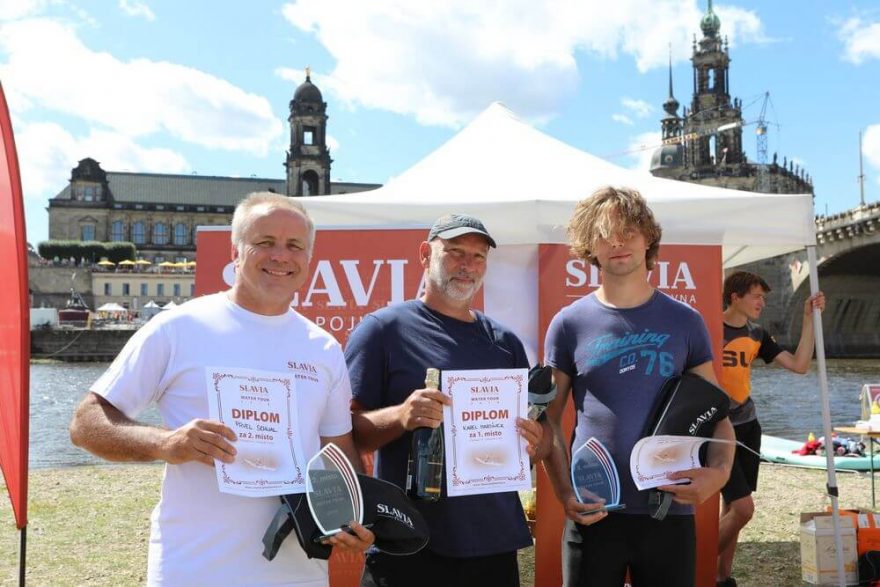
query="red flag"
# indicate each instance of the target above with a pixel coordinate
(15, 333)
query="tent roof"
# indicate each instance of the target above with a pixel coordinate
(111, 307)
(524, 185)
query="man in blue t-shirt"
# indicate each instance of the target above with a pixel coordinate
(612, 351)
(474, 539)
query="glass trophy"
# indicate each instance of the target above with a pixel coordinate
(333, 491)
(594, 476)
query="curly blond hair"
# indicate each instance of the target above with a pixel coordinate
(611, 211)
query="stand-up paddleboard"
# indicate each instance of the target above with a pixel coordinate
(780, 450)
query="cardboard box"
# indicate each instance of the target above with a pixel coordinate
(818, 551)
(867, 529)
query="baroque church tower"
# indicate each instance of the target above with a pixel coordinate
(308, 160)
(711, 107)
(705, 144)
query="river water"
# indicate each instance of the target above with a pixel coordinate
(788, 404)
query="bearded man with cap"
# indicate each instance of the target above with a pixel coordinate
(473, 539)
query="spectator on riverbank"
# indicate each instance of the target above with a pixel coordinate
(744, 341)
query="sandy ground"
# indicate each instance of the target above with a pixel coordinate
(89, 525)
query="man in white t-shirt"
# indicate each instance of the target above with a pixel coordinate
(200, 536)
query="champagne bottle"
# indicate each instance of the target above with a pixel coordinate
(425, 467)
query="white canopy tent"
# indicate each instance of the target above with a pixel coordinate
(111, 307)
(150, 309)
(524, 185)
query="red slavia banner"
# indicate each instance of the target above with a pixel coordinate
(14, 324)
(689, 273)
(353, 273)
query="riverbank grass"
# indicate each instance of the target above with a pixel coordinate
(90, 525)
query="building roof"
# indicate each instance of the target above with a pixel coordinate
(157, 188)
(198, 190)
(308, 92)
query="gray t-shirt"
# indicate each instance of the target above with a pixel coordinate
(618, 360)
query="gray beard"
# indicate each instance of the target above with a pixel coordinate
(445, 284)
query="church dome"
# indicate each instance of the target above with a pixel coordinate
(308, 92)
(670, 106)
(667, 156)
(710, 23)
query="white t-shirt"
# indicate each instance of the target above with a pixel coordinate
(200, 536)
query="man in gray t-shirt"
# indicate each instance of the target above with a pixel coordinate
(618, 360)
(612, 351)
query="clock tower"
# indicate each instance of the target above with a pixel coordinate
(308, 160)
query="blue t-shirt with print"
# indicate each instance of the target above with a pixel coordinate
(387, 356)
(618, 360)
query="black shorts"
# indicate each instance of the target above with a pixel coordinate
(429, 569)
(655, 552)
(744, 473)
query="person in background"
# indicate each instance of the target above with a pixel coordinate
(744, 340)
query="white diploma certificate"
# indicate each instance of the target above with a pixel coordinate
(260, 406)
(654, 457)
(484, 451)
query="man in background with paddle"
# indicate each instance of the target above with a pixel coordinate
(745, 341)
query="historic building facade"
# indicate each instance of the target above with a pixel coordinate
(159, 213)
(705, 144)
(135, 289)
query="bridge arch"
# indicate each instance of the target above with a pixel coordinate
(851, 321)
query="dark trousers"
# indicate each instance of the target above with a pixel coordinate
(657, 553)
(428, 569)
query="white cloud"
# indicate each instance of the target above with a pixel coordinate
(871, 145)
(444, 62)
(638, 107)
(332, 143)
(741, 26)
(47, 152)
(861, 40)
(137, 9)
(641, 148)
(622, 119)
(46, 65)
(12, 9)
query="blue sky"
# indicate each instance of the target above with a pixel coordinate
(203, 87)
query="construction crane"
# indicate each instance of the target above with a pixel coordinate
(761, 128)
(762, 185)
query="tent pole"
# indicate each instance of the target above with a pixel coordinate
(22, 555)
(831, 485)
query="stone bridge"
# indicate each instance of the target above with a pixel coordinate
(848, 253)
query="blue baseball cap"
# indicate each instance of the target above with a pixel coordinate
(453, 225)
